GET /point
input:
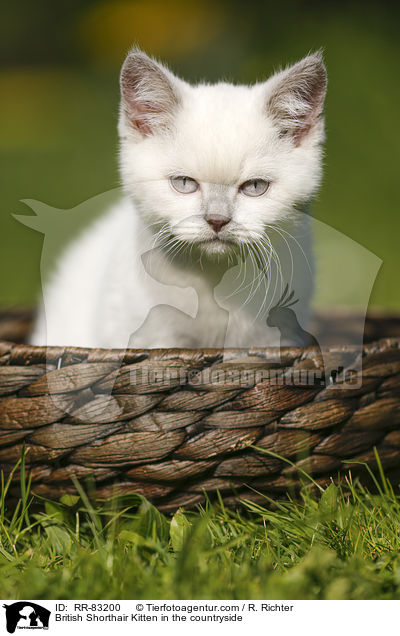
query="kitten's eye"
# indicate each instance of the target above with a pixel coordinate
(254, 187)
(184, 185)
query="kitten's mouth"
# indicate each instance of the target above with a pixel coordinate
(217, 244)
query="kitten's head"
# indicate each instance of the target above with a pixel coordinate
(214, 165)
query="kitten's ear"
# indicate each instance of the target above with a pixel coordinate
(150, 93)
(296, 100)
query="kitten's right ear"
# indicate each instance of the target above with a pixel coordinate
(150, 94)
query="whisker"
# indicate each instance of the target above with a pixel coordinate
(280, 229)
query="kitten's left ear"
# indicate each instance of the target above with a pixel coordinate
(296, 97)
(150, 94)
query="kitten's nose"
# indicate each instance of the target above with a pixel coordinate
(217, 221)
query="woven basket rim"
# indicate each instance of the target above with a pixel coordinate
(228, 355)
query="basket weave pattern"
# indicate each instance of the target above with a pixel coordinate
(81, 412)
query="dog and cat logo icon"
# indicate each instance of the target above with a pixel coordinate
(26, 615)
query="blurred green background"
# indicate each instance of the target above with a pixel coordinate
(59, 105)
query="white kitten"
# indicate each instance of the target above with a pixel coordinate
(213, 227)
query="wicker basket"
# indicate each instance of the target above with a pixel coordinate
(81, 412)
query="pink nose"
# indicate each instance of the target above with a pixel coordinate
(217, 221)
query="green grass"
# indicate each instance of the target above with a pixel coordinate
(340, 544)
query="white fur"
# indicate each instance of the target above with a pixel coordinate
(221, 135)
